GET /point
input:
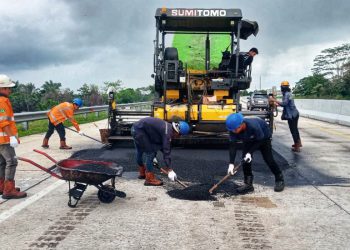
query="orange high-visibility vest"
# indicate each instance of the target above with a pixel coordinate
(6, 119)
(61, 112)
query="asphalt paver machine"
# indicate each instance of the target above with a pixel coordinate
(202, 97)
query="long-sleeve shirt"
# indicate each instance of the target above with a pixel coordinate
(153, 134)
(289, 109)
(6, 119)
(257, 131)
(61, 112)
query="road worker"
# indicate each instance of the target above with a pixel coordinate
(255, 135)
(8, 141)
(291, 114)
(151, 135)
(245, 60)
(57, 115)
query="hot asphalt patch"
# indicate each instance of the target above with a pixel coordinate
(199, 168)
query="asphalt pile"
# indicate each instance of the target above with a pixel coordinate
(96, 168)
(196, 192)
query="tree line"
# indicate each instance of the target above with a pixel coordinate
(330, 75)
(27, 97)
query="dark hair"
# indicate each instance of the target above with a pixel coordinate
(254, 50)
(285, 89)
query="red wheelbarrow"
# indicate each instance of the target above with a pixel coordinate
(84, 173)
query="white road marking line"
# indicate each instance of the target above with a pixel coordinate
(17, 208)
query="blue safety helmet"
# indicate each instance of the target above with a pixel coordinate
(233, 121)
(78, 102)
(181, 127)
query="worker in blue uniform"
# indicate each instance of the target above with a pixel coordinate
(152, 135)
(255, 135)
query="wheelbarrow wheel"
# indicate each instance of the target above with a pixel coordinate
(106, 194)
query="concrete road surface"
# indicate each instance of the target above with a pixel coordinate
(312, 213)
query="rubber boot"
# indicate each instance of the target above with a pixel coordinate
(142, 172)
(279, 183)
(297, 144)
(296, 148)
(10, 191)
(64, 145)
(247, 187)
(2, 186)
(151, 180)
(45, 143)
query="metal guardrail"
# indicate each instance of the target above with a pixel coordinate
(26, 117)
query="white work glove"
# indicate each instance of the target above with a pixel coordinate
(13, 141)
(81, 133)
(230, 169)
(247, 158)
(172, 175)
(155, 161)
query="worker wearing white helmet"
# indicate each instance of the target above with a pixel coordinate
(8, 141)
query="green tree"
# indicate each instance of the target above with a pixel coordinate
(106, 85)
(50, 95)
(314, 85)
(90, 95)
(25, 97)
(331, 61)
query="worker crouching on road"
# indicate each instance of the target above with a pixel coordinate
(57, 115)
(291, 114)
(255, 135)
(153, 134)
(8, 141)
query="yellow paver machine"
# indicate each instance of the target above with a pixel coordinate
(206, 95)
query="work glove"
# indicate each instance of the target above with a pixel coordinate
(247, 158)
(81, 133)
(13, 141)
(230, 169)
(172, 175)
(155, 162)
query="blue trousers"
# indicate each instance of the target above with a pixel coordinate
(149, 156)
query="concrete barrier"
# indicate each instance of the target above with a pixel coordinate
(333, 111)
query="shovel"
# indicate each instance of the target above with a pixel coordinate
(155, 164)
(107, 144)
(224, 178)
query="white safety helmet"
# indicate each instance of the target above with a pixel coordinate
(6, 82)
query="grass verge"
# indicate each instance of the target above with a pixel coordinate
(40, 126)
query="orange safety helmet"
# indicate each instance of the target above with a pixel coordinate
(285, 83)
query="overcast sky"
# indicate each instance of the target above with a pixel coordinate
(90, 41)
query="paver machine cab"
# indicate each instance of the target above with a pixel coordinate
(203, 98)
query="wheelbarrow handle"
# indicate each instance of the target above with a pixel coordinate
(41, 167)
(43, 153)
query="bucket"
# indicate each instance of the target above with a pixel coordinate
(104, 133)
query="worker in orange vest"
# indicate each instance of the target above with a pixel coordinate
(57, 115)
(8, 141)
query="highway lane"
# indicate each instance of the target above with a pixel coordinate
(312, 212)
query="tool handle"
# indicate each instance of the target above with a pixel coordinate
(225, 178)
(84, 135)
(221, 181)
(177, 180)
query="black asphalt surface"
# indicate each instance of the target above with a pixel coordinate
(199, 168)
